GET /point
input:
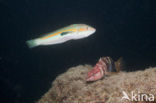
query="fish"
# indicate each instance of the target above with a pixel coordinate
(103, 67)
(71, 32)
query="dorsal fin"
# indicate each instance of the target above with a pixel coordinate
(119, 64)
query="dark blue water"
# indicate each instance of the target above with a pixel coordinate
(124, 29)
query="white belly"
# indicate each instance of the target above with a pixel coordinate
(52, 41)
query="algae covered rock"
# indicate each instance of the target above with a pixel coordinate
(71, 87)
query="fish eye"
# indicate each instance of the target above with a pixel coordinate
(87, 28)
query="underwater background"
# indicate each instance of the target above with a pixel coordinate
(123, 29)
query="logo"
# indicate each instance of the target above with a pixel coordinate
(137, 96)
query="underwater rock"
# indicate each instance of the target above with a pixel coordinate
(71, 87)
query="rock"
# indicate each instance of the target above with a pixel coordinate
(71, 87)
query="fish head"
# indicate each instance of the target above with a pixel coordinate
(84, 30)
(94, 74)
(94, 77)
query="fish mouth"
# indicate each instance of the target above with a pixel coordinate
(92, 29)
(93, 78)
(88, 79)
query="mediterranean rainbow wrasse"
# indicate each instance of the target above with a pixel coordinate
(103, 67)
(71, 32)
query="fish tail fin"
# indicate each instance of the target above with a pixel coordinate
(32, 43)
(119, 64)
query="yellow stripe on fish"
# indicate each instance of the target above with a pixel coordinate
(74, 31)
(82, 29)
(57, 33)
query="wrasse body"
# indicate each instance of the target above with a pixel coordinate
(71, 32)
(102, 68)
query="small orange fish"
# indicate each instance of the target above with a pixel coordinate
(100, 69)
(103, 67)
